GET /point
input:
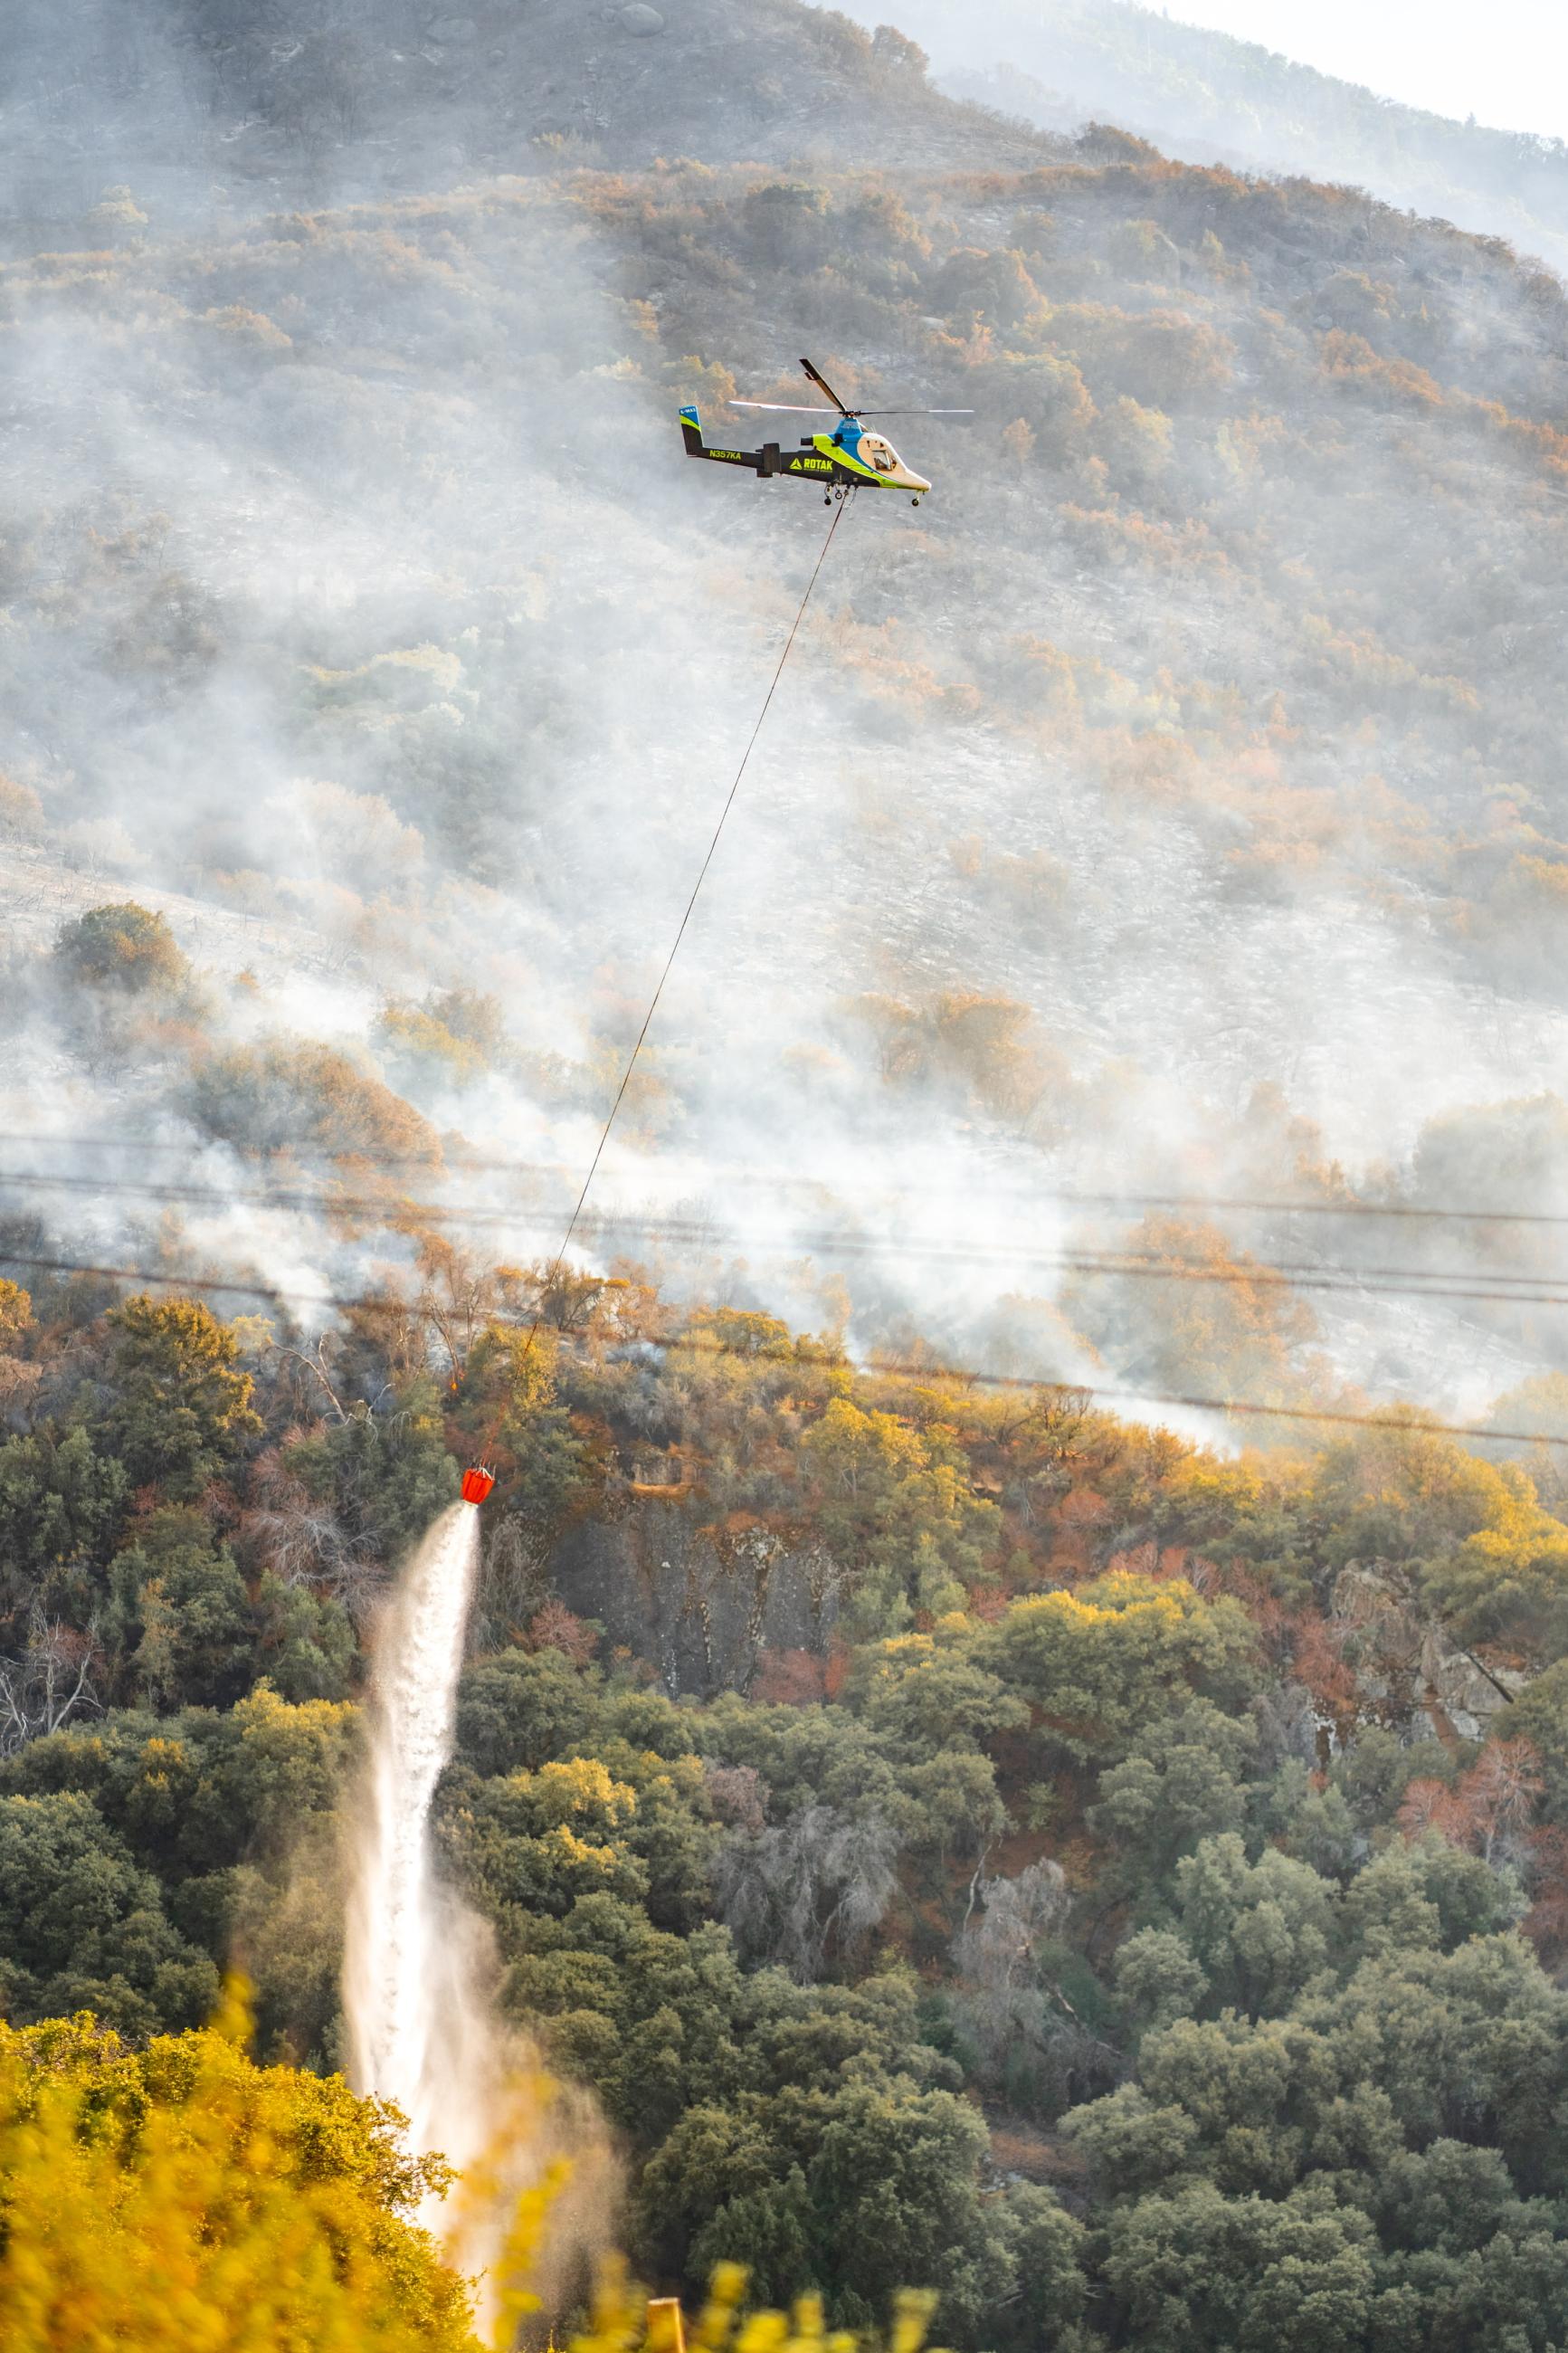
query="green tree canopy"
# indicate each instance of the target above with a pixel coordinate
(180, 1410)
(84, 1927)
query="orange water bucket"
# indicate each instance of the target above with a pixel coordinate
(476, 1483)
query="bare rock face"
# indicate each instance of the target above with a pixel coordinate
(640, 19)
(454, 30)
(1380, 1632)
(703, 1603)
(1461, 1689)
(1410, 1673)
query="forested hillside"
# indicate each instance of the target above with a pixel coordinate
(1176, 809)
(986, 1844)
(969, 1821)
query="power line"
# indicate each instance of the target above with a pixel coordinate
(1478, 1285)
(1138, 1203)
(1391, 1419)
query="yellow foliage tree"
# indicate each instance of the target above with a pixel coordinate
(181, 2199)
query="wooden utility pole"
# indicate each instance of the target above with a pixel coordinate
(665, 2326)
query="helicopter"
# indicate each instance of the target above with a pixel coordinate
(846, 460)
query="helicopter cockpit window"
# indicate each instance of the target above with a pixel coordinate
(882, 457)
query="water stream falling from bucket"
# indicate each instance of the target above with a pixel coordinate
(418, 2027)
(419, 1966)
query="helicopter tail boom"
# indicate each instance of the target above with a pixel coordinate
(768, 459)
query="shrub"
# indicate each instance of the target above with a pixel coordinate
(125, 948)
(281, 1096)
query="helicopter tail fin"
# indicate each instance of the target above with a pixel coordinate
(691, 434)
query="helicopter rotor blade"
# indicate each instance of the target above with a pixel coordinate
(797, 408)
(822, 385)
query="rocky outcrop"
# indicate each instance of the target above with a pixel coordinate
(703, 1600)
(1409, 1673)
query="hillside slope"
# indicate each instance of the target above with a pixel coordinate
(988, 1833)
(1209, 98)
(338, 98)
(1174, 805)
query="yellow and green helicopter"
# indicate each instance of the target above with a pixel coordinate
(847, 459)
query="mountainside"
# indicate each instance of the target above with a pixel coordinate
(1203, 728)
(345, 98)
(1013, 1738)
(1210, 98)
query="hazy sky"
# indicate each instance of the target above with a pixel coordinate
(1505, 63)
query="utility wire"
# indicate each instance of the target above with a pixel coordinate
(611, 1227)
(964, 1376)
(1139, 1203)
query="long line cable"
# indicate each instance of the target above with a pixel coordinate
(964, 1376)
(687, 913)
